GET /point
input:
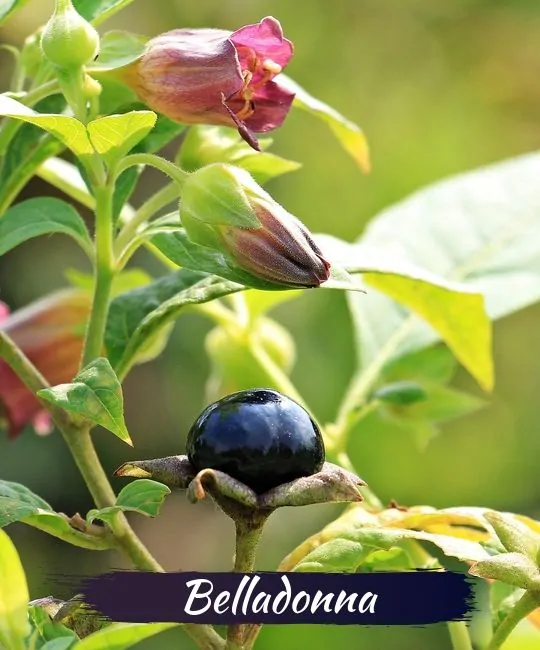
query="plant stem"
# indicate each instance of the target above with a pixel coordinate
(248, 534)
(159, 200)
(525, 605)
(151, 160)
(459, 635)
(104, 275)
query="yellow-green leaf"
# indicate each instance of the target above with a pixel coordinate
(14, 626)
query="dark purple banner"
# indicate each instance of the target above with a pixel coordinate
(404, 598)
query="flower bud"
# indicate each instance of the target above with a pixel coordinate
(211, 76)
(68, 40)
(50, 333)
(223, 208)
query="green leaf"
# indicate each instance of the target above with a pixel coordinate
(364, 540)
(205, 145)
(512, 568)
(98, 11)
(453, 310)
(62, 643)
(42, 216)
(137, 317)
(45, 631)
(121, 635)
(435, 364)
(515, 536)
(117, 49)
(14, 626)
(143, 496)
(18, 503)
(350, 136)
(68, 130)
(478, 228)
(114, 136)
(403, 393)
(7, 7)
(95, 395)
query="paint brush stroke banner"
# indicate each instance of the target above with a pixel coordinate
(404, 598)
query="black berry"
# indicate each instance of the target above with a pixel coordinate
(259, 437)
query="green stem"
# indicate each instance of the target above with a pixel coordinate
(525, 605)
(248, 535)
(159, 200)
(459, 635)
(151, 160)
(104, 274)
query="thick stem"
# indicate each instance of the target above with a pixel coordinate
(104, 275)
(525, 605)
(248, 534)
(459, 635)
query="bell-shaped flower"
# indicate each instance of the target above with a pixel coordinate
(50, 332)
(212, 76)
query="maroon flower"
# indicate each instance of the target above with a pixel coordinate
(211, 76)
(50, 333)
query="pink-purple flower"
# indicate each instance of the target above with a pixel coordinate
(211, 76)
(50, 332)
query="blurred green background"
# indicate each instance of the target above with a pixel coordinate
(439, 87)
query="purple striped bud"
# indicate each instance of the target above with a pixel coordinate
(224, 208)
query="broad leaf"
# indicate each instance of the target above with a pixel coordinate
(117, 49)
(455, 311)
(514, 569)
(68, 130)
(7, 7)
(114, 136)
(137, 317)
(18, 503)
(95, 395)
(14, 626)
(143, 496)
(478, 228)
(121, 635)
(348, 134)
(99, 11)
(42, 216)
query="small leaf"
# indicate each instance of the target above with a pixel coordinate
(14, 626)
(98, 11)
(68, 130)
(7, 7)
(515, 536)
(117, 49)
(143, 496)
(42, 216)
(114, 136)
(95, 395)
(18, 503)
(348, 134)
(136, 317)
(401, 393)
(121, 635)
(512, 568)
(339, 555)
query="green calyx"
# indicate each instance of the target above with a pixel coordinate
(69, 41)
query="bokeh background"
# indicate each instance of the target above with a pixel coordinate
(439, 87)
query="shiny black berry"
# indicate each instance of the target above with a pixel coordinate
(260, 437)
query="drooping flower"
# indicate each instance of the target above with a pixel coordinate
(212, 76)
(50, 333)
(224, 208)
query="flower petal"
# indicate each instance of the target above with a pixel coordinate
(266, 39)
